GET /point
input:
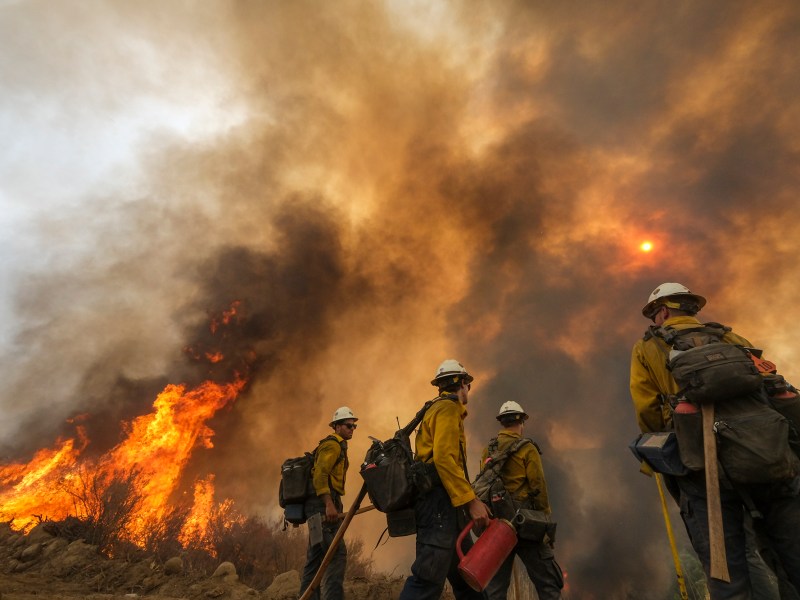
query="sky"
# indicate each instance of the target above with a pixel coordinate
(384, 185)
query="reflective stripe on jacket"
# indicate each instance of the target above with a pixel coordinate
(441, 440)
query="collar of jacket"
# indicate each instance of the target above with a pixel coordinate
(512, 434)
(681, 320)
(454, 398)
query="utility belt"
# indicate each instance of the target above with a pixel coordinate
(535, 526)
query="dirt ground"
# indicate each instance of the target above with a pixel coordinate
(45, 567)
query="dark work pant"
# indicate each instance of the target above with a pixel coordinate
(780, 506)
(542, 568)
(333, 579)
(436, 560)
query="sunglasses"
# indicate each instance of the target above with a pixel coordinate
(349, 425)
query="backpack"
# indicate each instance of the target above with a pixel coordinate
(494, 463)
(532, 525)
(392, 478)
(706, 368)
(297, 485)
(752, 438)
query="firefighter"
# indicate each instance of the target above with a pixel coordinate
(441, 446)
(328, 477)
(654, 390)
(523, 481)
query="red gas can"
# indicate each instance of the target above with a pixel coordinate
(480, 564)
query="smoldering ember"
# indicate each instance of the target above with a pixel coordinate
(223, 220)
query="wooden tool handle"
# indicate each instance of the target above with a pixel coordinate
(716, 534)
(334, 544)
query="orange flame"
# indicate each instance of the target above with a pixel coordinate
(158, 445)
(58, 482)
(225, 318)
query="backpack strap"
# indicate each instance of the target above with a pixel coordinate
(342, 453)
(342, 447)
(406, 431)
(497, 461)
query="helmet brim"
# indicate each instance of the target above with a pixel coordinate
(332, 423)
(650, 306)
(511, 414)
(455, 376)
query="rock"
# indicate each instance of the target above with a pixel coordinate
(22, 566)
(54, 546)
(284, 586)
(75, 557)
(151, 583)
(225, 570)
(31, 552)
(174, 566)
(39, 534)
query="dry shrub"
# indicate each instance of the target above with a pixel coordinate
(358, 565)
(105, 512)
(105, 507)
(161, 537)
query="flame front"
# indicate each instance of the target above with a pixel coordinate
(158, 446)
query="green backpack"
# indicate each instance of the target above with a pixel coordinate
(488, 485)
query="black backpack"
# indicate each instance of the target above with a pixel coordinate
(392, 477)
(752, 437)
(296, 483)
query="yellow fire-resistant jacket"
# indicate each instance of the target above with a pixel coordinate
(650, 376)
(441, 440)
(330, 472)
(522, 474)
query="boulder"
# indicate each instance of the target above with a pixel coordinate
(31, 552)
(225, 569)
(54, 546)
(284, 586)
(174, 566)
(39, 533)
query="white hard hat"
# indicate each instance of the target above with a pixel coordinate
(450, 369)
(677, 291)
(511, 408)
(341, 414)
